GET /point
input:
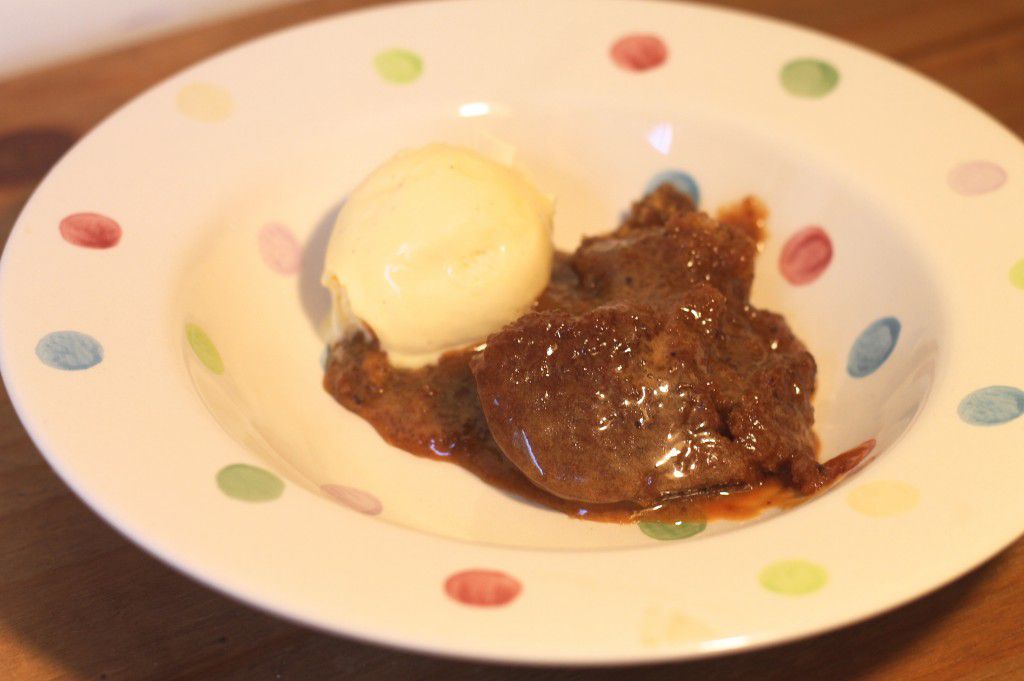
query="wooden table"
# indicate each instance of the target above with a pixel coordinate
(78, 601)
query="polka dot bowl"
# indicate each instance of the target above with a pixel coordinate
(163, 323)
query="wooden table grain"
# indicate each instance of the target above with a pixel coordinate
(77, 601)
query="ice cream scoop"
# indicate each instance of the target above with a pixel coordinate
(436, 249)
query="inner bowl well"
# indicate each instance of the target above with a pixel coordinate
(251, 284)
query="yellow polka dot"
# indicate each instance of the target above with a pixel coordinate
(205, 102)
(665, 627)
(883, 498)
(1017, 274)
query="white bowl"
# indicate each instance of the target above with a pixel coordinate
(196, 422)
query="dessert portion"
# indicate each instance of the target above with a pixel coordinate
(639, 384)
(434, 250)
(665, 380)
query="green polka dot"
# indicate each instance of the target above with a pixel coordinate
(793, 577)
(669, 531)
(249, 483)
(1017, 274)
(398, 65)
(809, 77)
(204, 348)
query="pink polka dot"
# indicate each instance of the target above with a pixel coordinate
(356, 499)
(639, 52)
(976, 177)
(482, 588)
(805, 256)
(280, 249)
(90, 230)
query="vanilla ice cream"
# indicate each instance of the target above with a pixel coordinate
(436, 249)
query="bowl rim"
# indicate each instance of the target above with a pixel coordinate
(17, 382)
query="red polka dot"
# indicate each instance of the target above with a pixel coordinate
(482, 588)
(354, 498)
(805, 256)
(976, 177)
(90, 230)
(639, 52)
(280, 249)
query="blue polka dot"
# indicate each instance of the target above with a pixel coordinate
(684, 182)
(992, 405)
(69, 350)
(872, 347)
